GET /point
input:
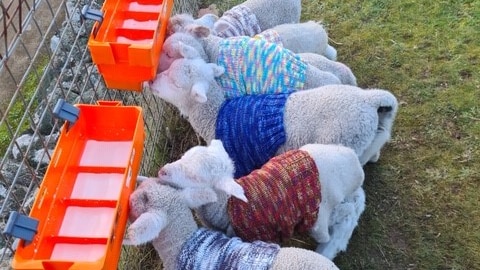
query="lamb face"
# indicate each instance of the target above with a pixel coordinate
(185, 79)
(147, 213)
(200, 166)
(181, 22)
(204, 170)
(178, 23)
(146, 198)
(171, 49)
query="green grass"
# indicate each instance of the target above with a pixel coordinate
(19, 108)
(423, 202)
(422, 197)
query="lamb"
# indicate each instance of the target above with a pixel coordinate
(296, 191)
(161, 215)
(333, 114)
(305, 37)
(340, 70)
(254, 16)
(255, 66)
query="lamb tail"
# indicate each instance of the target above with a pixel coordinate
(383, 100)
(384, 109)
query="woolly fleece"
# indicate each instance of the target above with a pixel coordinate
(161, 215)
(333, 114)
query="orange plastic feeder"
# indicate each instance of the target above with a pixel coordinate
(127, 39)
(82, 203)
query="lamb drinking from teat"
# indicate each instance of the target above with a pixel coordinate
(161, 215)
(296, 191)
(334, 114)
(253, 66)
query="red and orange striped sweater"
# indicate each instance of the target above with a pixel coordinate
(283, 198)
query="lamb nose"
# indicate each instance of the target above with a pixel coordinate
(162, 172)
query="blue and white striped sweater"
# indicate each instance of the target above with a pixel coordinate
(211, 250)
(241, 21)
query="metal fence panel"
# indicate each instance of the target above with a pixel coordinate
(44, 57)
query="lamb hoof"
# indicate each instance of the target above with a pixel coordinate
(321, 237)
(331, 53)
(326, 250)
(375, 157)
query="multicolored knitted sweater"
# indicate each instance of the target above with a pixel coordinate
(271, 36)
(207, 249)
(256, 66)
(251, 129)
(283, 197)
(241, 22)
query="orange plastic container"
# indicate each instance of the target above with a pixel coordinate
(82, 203)
(126, 46)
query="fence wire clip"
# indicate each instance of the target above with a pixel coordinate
(88, 13)
(92, 14)
(21, 226)
(66, 112)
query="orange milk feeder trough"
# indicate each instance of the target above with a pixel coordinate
(80, 212)
(126, 40)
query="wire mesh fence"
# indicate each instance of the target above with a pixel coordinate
(44, 57)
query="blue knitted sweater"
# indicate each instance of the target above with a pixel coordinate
(251, 129)
(207, 249)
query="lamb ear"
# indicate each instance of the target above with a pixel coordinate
(198, 31)
(145, 228)
(141, 178)
(187, 51)
(199, 91)
(196, 197)
(231, 187)
(216, 143)
(220, 26)
(217, 70)
(207, 20)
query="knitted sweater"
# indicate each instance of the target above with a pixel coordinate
(241, 22)
(271, 36)
(251, 129)
(207, 249)
(283, 197)
(256, 66)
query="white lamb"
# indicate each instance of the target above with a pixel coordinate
(252, 65)
(334, 114)
(161, 215)
(304, 37)
(296, 191)
(340, 70)
(254, 16)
